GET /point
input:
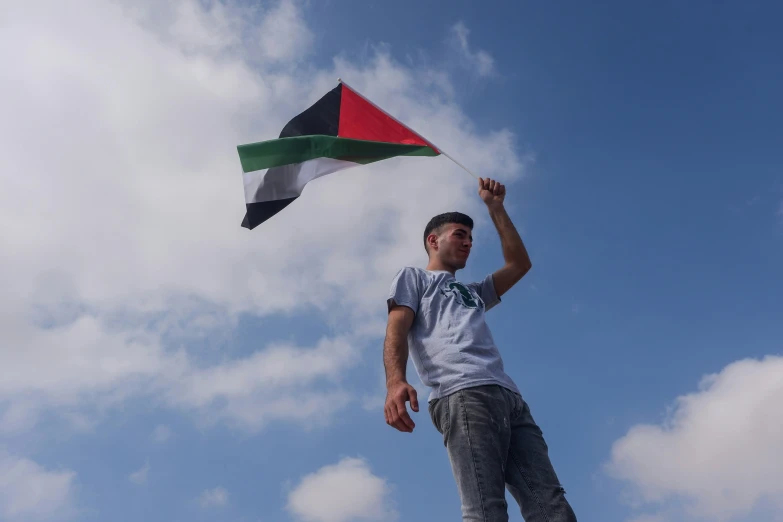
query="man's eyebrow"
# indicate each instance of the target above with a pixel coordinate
(463, 231)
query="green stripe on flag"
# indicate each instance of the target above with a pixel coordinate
(285, 151)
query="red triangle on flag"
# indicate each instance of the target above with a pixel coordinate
(360, 119)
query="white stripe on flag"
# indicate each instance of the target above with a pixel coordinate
(288, 181)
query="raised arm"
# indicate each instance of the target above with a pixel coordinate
(517, 261)
(395, 359)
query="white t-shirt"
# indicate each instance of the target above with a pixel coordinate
(449, 342)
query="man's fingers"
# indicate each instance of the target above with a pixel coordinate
(392, 417)
(414, 399)
(397, 421)
(395, 411)
(402, 413)
(405, 423)
(404, 417)
(401, 426)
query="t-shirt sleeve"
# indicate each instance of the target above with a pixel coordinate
(486, 291)
(405, 290)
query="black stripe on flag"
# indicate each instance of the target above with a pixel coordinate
(257, 213)
(323, 117)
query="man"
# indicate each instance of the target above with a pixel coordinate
(491, 438)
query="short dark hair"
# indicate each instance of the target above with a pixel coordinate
(444, 219)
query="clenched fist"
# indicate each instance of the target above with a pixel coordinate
(492, 192)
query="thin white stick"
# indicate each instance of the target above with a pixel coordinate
(340, 80)
(460, 164)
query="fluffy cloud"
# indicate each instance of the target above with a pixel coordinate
(481, 62)
(29, 492)
(343, 492)
(717, 456)
(122, 198)
(283, 35)
(217, 497)
(277, 383)
(283, 381)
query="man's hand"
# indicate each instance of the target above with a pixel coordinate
(394, 410)
(492, 192)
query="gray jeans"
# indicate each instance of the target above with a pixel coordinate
(493, 443)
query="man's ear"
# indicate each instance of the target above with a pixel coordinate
(432, 241)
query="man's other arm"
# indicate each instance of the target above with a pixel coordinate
(395, 359)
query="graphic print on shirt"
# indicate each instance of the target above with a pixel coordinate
(460, 292)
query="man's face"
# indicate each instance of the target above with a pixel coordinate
(454, 244)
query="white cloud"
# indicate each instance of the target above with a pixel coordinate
(344, 492)
(718, 454)
(217, 497)
(161, 434)
(84, 356)
(283, 35)
(210, 28)
(30, 492)
(280, 382)
(648, 518)
(139, 476)
(277, 383)
(481, 62)
(122, 198)
(18, 416)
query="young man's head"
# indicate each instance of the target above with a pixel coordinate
(448, 239)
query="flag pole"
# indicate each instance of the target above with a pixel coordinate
(460, 164)
(340, 80)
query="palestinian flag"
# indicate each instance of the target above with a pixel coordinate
(341, 130)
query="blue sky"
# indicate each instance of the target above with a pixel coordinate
(163, 364)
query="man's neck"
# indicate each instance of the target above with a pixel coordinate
(435, 265)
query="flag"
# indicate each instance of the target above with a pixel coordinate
(341, 130)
